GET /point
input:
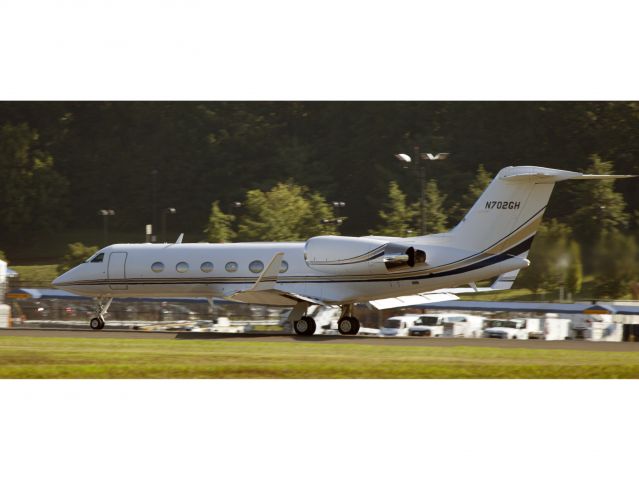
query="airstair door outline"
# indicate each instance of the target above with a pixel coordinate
(117, 271)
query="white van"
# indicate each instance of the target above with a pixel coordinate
(465, 326)
(447, 325)
(516, 328)
(398, 326)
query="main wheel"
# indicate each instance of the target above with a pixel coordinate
(348, 326)
(305, 326)
(96, 323)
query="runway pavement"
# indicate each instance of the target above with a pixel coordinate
(327, 339)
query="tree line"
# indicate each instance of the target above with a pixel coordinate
(61, 162)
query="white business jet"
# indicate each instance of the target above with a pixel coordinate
(492, 240)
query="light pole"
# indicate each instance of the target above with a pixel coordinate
(154, 175)
(105, 214)
(421, 159)
(170, 210)
(337, 206)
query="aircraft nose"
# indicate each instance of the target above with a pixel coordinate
(57, 281)
(65, 277)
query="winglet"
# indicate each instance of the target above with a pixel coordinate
(268, 278)
(179, 240)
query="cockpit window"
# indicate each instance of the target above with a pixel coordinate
(98, 258)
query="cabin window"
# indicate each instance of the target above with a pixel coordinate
(98, 258)
(256, 266)
(231, 267)
(157, 267)
(182, 267)
(206, 267)
(284, 266)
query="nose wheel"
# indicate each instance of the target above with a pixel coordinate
(97, 323)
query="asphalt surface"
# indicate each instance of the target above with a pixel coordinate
(327, 339)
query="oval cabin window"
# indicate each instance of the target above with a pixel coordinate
(256, 266)
(231, 267)
(182, 267)
(206, 267)
(284, 266)
(157, 267)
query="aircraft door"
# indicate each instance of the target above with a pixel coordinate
(117, 270)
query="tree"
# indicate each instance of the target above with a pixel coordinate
(32, 193)
(574, 273)
(219, 229)
(615, 262)
(76, 254)
(436, 219)
(549, 258)
(600, 210)
(477, 187)
(287, 212)
(396, 216)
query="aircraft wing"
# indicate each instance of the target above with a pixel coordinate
(264, 291)
(409, 300)
(535, 307)
(502, 282)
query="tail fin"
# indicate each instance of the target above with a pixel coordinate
(507, 215)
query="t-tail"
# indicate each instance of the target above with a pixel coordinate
(506, 217)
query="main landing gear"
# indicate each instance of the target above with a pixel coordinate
(97, 323)
(305, 326)
(348, 324)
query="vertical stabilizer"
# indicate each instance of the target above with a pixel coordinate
(508, 213)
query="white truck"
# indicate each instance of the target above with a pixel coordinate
(516, 328)
(465, 326)
(447, 325)
(556, 328)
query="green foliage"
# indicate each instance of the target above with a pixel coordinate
(477, 187)
(205, 151)
(574, 273)
(396, 217)
(77, 253)
(436, 219)
(549, 258)
(600, 210)
(616, 265)
(36, 275)
(219, 228)
(287, 212)
(32, 193)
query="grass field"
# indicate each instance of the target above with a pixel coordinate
(31, 357)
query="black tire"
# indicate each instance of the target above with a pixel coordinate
(348, 326)
(102, 324)
(305, 326)
(96, 323)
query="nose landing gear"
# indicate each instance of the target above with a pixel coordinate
(97, 323)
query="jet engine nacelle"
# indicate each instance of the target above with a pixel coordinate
(356, 255)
